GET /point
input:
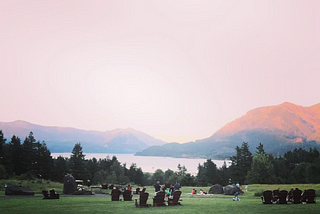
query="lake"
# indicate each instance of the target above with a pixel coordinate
(151, 163)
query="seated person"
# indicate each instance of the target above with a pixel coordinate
(193, 192)
(167, 191)
(203, 192)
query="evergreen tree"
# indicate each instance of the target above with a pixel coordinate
(60, 169)
(207, 173)
(260, 149)
(139, 178)
(262, 171)
(92, 167)
(15, 150)
(77, 161)
(28, 153)
(223, 175)
(241, 163)
(43, 162)
(2, 148)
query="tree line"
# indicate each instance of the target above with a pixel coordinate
(32, 159)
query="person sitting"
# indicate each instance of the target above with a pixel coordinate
(193, 192)
(167, 191)
(157, 187)
(204, 192)
(129, 188)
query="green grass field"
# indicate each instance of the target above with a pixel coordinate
(101, 203)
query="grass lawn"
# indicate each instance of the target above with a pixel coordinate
(101, 203)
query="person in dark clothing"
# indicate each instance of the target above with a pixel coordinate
(157, 187)
(177, 186)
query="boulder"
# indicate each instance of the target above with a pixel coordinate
(216, 189)
(18, 190)
(69, 184)
(231, 190)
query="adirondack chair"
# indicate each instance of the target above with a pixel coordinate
(267, 197)
(115, 195)
(309, 196)
(296, 196)
(275, 195)
(158, 200)
(175, 198)
(143, 198)
(51, 195)
(283, 197)
(127, 196)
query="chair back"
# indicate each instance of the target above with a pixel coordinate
(267, 197)
(310, 196)
(283, 196)
(143, 199)
(127, 195)
(296, 196)
(115, 195)
(175, 198)
(158, 200)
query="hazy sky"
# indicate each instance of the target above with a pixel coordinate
(177, 70)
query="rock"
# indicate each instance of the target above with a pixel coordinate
(69, 184)
(232, 189)
(216, 189)
(18, 190)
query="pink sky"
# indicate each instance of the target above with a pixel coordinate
(177, 70)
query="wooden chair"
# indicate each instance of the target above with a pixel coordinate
(143, 198)
(275, 195)
(115, 195)
(267, 197)
(175, 198)
(296, 196)
(309, 196)
(158, 200)
(127, 196)
(51, 195)
(283, 197)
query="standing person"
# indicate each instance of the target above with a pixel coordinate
(129, 188)
(157, 187)
(177, 186)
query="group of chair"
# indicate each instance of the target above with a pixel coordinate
(294, 196)
(158, 200)
(50, 195)
(115, 195)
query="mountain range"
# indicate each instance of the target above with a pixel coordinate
(279, 128)
(62, 139)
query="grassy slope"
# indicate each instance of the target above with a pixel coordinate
(190, 203)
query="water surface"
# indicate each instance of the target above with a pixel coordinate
(151, 163)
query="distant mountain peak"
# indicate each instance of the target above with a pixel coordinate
(126, 140)
(279, 128)
(294, 122)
